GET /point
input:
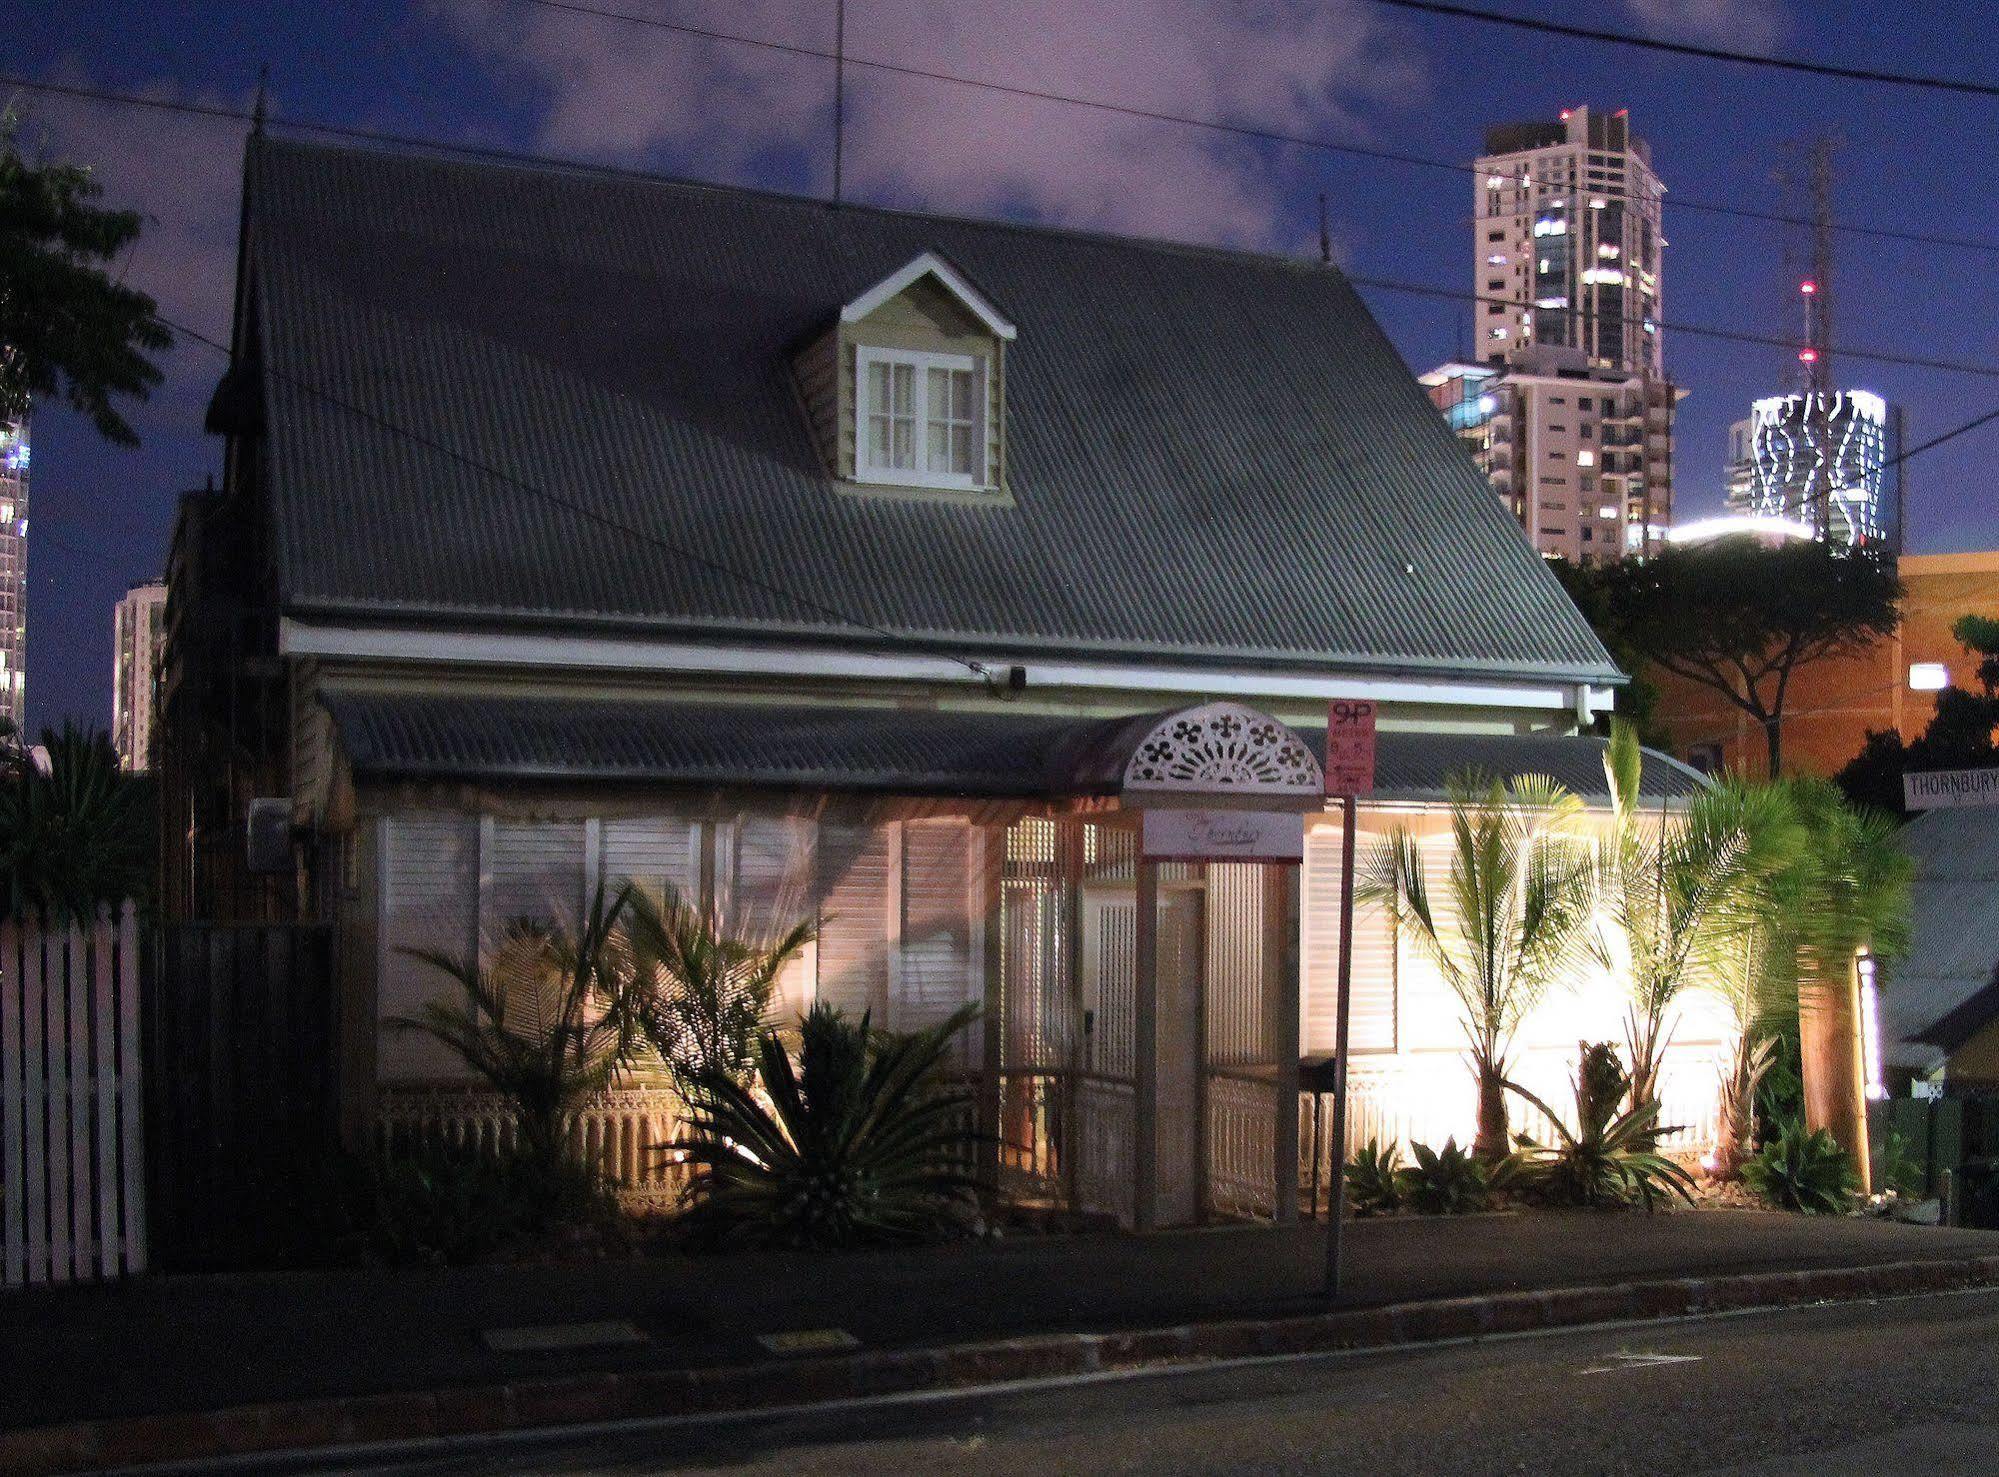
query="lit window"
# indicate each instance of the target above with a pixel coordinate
(1928, 676)
(1499, 333)
(1497, 259)
(1585, 458)
(920, 419)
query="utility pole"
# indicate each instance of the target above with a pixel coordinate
(839, 95)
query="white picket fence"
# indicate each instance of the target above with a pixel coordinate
(74, 1182)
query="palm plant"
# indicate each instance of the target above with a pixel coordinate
(1756, 982)
(859, 1140)
(1609, 1159)
(76, 832)
(1674, 890)
(697, 994)
(1854, 895)
(542, 1025)
(1518, 894)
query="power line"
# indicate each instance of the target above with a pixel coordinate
(1687, 48)
(1234, 130)
(1727, 335)
(581, 510)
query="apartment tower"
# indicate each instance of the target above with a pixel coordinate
(1564, 399)
(136, 626)
(14, 572)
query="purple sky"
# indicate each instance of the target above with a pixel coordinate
(502, 72)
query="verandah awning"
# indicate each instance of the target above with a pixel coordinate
(986, 754)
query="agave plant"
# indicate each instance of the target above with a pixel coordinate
(1609, 1158)
(1374, 1179)
(1519, 892)
(1679, 891)
(1445, 1181)
(699, 995)
(542, 1024)
(857, 1141)
(1804, 1170)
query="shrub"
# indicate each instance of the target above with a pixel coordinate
(1374, 1180)
(1609, 1159)
(1445, 1181)
(859, 1141)
(1901, 1171)
(1803, 1171)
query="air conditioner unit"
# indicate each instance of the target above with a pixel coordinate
(268, 835)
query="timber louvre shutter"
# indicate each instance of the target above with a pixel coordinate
(430, 868)
(853, 868)
(770, 875)
(531, 870)
(1372, 1020)
(658, 855)
(941, 955)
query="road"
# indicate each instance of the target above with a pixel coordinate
(1898, 1386)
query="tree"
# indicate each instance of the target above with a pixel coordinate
(1739, 617)
(1959, 735)
(70, 328)
(1673, 887)
(1518, 895)
(1592, 587)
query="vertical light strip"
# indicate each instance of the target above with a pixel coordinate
(1870, 1032)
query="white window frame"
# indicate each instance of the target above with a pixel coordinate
(922, 362)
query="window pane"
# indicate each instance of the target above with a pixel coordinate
(939, 443)
(961, 395)
(878, 387)
(961, 450)
(905, 444)
(878, 440)
(939, 404)
(905, 389)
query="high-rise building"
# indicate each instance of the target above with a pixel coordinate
(1827, 461)
(1581, 456)
(136, 627)
(14, 572)
(1568, 241)
(1567, 407)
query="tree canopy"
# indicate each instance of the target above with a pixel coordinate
(70, 329)
(1739, 617)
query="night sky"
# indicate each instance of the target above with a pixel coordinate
(501, 72)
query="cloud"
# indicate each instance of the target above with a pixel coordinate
(1742, 25)
(617, 92)
(183, 174)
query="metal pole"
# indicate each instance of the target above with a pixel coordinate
(1336, 1176)
(839, 93)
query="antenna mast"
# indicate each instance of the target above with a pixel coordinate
(839, 94)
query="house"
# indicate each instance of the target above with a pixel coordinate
(977, 588)
(1940, 1003)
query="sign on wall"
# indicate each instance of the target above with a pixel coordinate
(1349, 746)
(1940, 789)
(1223, 836)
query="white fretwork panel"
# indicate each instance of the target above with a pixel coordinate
(1224, 747)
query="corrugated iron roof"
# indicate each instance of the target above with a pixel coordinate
(878, 750)
(1953, 937)
(1211, 454)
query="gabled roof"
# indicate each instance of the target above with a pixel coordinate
(479, 376)
(1941, 993)
(930, 264)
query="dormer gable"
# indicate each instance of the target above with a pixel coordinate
(906, 390)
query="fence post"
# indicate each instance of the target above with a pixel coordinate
(131, 1091)
(12, 1100)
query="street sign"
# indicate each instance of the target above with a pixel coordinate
(1349, 746)
(1940, 789)
(1223, 836)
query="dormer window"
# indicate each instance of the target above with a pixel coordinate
(919, 418)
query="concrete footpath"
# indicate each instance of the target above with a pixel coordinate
(195, 1367)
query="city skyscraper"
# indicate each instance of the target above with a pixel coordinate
(14, 572)
(1827, 461)
(1564, 402)
(136, 627)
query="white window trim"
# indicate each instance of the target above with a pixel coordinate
(929, 264)
(920, 476)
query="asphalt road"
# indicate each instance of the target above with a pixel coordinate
(1899, 1386)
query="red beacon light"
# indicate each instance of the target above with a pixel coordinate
(1808, 288)
(1808, 356)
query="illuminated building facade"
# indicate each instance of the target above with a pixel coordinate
(14, 571)
(1824, 459)
(136, 628)
(1581, 456)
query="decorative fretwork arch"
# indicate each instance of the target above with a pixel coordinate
(1224, 748)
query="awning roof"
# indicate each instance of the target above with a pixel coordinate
(1942, 992)
(996, 754)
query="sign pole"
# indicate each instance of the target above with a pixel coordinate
(1349, 774)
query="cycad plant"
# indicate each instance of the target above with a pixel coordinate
(1804, 1170)
(77, 831)
(698, 994)
(1675, 889)
(542, 1025)
(1517, 897)
(1610, 1157)
(859, 1140)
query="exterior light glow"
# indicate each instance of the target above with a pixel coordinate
(1928, 676)
(1764, 524)
(1870, 1031)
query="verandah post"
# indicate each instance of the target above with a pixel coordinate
(1145, 1036)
